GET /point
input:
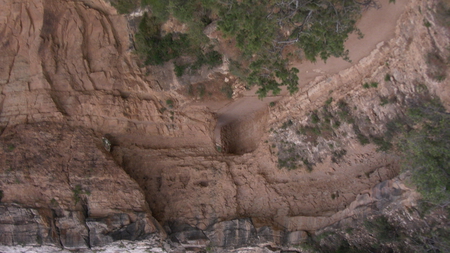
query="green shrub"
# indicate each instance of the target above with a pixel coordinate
(382, 229)
(383, 145)
(78, 191)
(211, 59)
(427, 153)
(315, 118)
(286, 124)
(255, 26)
(363, 140)
(125, 6)
(227, 90)
(366, 85)
(337, 155)
(437, 66)
(384, 101)
(159, 8)
(179, 69)
(387, 77)
(374, 84)
(154, 48)
(169, 103)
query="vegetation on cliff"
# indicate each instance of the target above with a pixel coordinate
(261, 30)
(427, 151)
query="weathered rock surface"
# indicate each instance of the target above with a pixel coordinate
(67, 79)
(61, 188)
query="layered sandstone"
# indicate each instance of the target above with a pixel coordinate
(68, 78)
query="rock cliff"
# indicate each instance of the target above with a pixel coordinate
(69, 82)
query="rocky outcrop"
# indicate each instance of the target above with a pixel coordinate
(67, 79)
(70, 61)
(61, 188)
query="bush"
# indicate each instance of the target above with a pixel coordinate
(319, 29)
(427, 153)
(227, 90)
(384, 101)
(125, 6)
(437, 66)
(315, 117)
(169, 103)
(159, 9)
(337, 155)
(154, 48)
(383, 145)
(77, 191)
(382, 229)
(179, 69)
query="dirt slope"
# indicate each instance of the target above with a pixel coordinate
(377, 25)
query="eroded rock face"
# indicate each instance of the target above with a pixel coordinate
(61, 188)
(68, 62)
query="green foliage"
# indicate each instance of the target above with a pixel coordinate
(384, 101)
(159, 8)
(125, 6)
(426, 23)
(286, 124)
(53, 202)
(169, 103)
(154, 48)
(427, 151)
(227, 90)
(437, 66)
(329, 101)
(247, 22)
(78, 191)
(318, 27)
(1, 195)
(387, 77)
(266, 71)
(10, 148)
(322, 29)
(382, 143)
(179, 69)
(238, 70)
(344, 112)
(328, 28)
(374, 84)
(314, 118)
(366, 85)
(382, 229)
(363, 140)
(211, 58)
(443, 13)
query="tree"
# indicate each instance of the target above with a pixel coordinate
(427, 151)
(262, 29)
